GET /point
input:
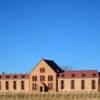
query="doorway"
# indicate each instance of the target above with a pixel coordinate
(41, 89)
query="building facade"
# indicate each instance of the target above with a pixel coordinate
(87, 80)
(14, 82)
(47, 76)
(44, 77)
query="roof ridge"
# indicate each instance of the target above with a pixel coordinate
(79, 70)
(46, 59)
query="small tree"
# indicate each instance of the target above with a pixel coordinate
(67, 67)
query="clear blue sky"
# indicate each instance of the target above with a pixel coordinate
(67, 31)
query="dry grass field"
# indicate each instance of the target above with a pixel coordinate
(50, 96)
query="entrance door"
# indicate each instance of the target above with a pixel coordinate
(41, 89)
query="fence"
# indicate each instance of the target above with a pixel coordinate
(50, 96)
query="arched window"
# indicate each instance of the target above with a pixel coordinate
(93, 84)
(62, 84)
(82, 84)
(72, 84)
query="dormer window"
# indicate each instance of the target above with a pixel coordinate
(23, 76)
(15, 76)
(94, 75)
(62, 75)
(7, 76)
(83, 75)
(73, 75)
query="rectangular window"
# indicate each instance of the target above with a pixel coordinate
(62, 84)
(34, 86)
(34, 78)
(82, 84)
(0, 85)
(42, 78)
(93, 84)
(14, 85)
(42, 70)
(50, 78)
(50, 86)
(22, 85)
(72, 84)
(7, 85)
(99, 81)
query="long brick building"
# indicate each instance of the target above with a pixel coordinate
(47, 76)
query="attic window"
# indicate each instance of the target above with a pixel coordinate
(42, 70)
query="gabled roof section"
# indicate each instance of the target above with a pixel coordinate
(53, 65)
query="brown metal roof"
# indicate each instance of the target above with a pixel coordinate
(79, 74)
(14, 76)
